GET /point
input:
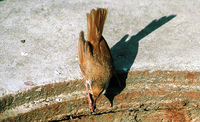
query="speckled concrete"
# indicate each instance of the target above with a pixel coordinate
(143, 35)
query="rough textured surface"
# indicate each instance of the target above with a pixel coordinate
(144, 96)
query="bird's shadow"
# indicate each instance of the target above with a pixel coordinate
(124, 54)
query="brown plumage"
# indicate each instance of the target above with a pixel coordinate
(95, 59)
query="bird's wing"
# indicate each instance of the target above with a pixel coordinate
(84, 52)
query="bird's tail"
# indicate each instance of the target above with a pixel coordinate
(95, 24)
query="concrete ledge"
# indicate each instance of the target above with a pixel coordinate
(145, 96)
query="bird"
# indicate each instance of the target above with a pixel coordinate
(95, 58)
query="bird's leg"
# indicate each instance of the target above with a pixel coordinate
(118, 81)
(90, 99)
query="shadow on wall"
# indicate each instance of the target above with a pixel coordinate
(124, 54)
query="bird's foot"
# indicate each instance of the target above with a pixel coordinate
(118, 81)
(91, 107)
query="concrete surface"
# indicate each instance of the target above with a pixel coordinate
(145, 96)
(162, 35)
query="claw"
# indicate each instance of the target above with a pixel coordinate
(91, 106)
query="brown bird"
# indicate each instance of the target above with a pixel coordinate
(95, 59)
